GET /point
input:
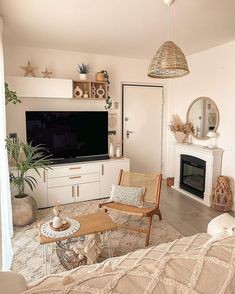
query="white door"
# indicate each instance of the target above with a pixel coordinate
(142, 127)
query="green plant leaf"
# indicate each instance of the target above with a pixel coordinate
(11, 96)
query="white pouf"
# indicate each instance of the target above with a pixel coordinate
(220, 224)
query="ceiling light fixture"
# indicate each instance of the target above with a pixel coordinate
(169, 60)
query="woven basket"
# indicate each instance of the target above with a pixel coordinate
(221, 198)
(170, 181)
(68, 258)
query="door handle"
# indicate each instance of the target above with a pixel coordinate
(77, 191)
(128, 133)
(73, 191)
(77, 177)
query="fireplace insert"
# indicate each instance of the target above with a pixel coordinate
(192, 175)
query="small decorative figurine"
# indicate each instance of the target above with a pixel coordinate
(46, 73)
(93, 91)
(86, 95)
(29, 70)
(78, 93)
(100, 92)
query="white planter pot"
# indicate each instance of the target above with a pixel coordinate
(82, 77)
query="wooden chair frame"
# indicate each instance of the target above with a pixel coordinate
(142, 212)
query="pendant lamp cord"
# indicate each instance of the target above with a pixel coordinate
(169, 22)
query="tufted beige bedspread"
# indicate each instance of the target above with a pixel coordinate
(194, 265)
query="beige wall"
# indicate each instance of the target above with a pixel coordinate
(213, 75)
(63, 64)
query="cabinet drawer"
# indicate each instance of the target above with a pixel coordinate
(72, 180)
(73, 170)
(63, 194)
(87, 191)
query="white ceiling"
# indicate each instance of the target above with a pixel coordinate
(133, 28)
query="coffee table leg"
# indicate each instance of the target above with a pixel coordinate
(44, 257)
(109, 243)
(51, 253)
(45, 252)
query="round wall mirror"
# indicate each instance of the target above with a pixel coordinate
(203, 115)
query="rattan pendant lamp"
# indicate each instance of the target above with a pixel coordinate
(169, 61)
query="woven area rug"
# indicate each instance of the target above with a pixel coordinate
(28, 253)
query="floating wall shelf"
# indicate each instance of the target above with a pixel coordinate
(90, 90)
(32, 87)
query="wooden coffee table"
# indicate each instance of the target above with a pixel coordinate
(98, 222)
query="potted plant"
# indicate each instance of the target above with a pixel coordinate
(25, 157)
(83, 70)
(99, 77)
(109, 99)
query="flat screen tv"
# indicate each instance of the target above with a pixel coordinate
(69, 136)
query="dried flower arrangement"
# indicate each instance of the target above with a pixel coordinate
(178, 126)
(181, 130)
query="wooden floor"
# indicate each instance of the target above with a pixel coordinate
(186, 215)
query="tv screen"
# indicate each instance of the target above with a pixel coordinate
(69, 135)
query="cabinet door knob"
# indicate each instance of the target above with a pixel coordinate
(102, 167)
(44, 176)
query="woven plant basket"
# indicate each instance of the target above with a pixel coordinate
(168, 62)
(221, 198)
(67, 256)
(170, 181)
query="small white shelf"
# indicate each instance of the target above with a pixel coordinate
(30, 87)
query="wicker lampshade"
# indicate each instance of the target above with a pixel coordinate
(168, 62)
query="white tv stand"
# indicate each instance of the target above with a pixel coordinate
(74, 182)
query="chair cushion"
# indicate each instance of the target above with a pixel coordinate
(127, 195)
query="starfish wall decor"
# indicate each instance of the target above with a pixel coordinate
(29, 70)
(46, 73)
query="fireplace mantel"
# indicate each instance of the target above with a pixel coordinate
(213, 158)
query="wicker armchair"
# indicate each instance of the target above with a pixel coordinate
(152, 184)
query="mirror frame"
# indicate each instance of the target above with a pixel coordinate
(218, 118)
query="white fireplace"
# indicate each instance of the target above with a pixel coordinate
(196, 169)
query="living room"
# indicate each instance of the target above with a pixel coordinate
(139, 137)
